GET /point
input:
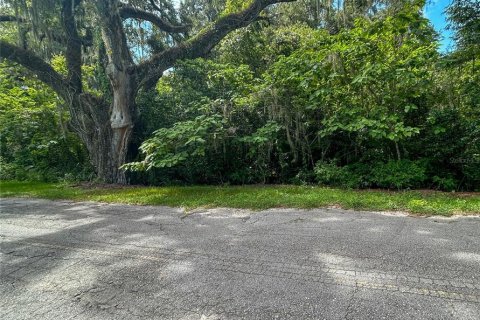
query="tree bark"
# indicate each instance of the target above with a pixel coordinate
(123, 84)
(90, 120)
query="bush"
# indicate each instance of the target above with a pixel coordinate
(395, 174)
(448, 183)
(328, 173)
(7, 170)
(399, 174)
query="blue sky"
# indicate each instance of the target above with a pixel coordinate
(434, 11)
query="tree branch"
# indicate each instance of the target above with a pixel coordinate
(163, 3)
(87, 40)
(155, 6)
(32, 62)
(73, 52)
(127, 11)
(150, 71)
(165, 6)
(10, 18)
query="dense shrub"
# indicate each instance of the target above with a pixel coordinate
(399, 174)
(328, 173)
(35, 141)
(395, 174)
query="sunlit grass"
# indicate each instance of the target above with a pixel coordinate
(255, 197)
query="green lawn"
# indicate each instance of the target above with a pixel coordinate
(255, 197)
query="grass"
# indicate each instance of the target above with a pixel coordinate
(255, 197)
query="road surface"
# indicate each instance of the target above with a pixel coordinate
(66, 260)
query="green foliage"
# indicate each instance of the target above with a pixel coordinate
(174, 146)
(361, 81)
(395, 174)
(234, 6)
(448, 183)
(355, 175)
(262, 137)
(35, 143)
(328, 173)
(464, 18)
(399, 174)
(89, 71)
(260, 146)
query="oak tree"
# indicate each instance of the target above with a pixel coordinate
(104, 119)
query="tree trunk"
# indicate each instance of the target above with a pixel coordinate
(106, 131)
(108, 153)
(121, 122)
(113, 145)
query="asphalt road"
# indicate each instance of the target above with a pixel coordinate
(65, 260)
